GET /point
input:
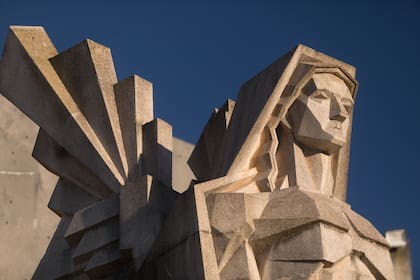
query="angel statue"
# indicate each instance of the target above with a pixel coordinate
(268, 200)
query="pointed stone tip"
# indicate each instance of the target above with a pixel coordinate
(34, 40)
(138, 78)
(134, 80)
(21, 27)
(130, 80)
(93, 44)
(86, 44)
(228, 105)
(396, 238)
(301, 47)
(81, 45)
(19, 30)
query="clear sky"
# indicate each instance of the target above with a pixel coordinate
(198, 53)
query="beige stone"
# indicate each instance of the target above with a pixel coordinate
(268, 200)
(134, 100)
(346, 269)
(157, 153)
(208, 146)
(289, 134)
(88, 120)
(400, 253)
(57, 160)
(294, 270)
(43, 97)
(294, 227)
(181, 171)
(87, 72)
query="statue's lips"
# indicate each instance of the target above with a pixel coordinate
(338, 125)
(337, 131)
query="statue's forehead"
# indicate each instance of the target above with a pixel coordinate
(332, 83)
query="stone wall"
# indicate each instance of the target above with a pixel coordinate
(25, 221)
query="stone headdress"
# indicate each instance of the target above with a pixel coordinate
(241, 136)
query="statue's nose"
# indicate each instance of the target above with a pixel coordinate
(337, 111)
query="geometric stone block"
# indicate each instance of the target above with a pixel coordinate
(134, 100)
(58, 243)
(104, 261)
(400, 253)
(143, 208)
(242, 265)
(312, 244)
(179, 224)
(68, 198)
(292, 270)
(184, 261)
(133, 199)
(56, 159)
(89, 217)
(203, 159)
(304, 246)
(43, 97)
(293, 207)
(346, 269)
(88, 73)
(184, 243)
(157, 151)
(227, 212)
(96, 239)
(181, 171)
(374, 255)
(365, 229)
(54, 266)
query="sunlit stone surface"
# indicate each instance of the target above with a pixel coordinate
(265, 190)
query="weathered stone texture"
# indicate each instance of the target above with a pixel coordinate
(400, 254)
(25, 187)
(263, 197)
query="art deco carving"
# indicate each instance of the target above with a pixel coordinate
(271, 169)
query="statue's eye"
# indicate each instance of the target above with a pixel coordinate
(320, 96)
(348, 105)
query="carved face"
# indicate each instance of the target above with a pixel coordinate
(319, 117)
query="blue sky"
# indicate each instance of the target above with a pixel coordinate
(198, 54)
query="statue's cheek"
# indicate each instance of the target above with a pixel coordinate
(315, 119)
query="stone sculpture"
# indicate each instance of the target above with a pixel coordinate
(400, 254)
(269, 197)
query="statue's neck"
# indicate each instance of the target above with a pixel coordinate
(304, 167)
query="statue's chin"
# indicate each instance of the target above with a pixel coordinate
(329, 147)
